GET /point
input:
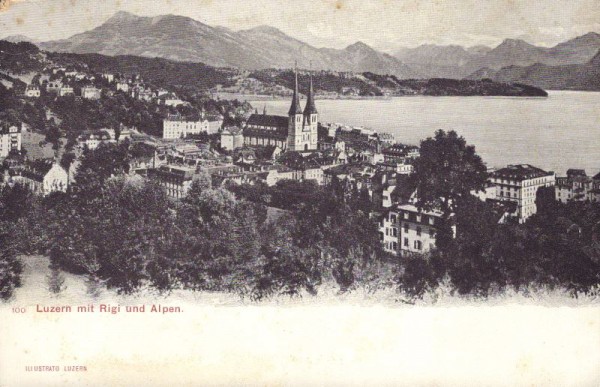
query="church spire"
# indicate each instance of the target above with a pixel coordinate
(310, 100)
(295, 107)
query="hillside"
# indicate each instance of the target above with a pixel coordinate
(564, 77)
(192, 78)
(370, 84)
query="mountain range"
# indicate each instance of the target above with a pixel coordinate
(184, 39)
(561, 77)
(459, 62)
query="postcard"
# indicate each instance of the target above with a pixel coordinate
(299, 192)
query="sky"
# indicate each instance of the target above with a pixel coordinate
(383, 24)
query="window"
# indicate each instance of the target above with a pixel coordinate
(405, 242)
(394, 232)
(431, 220)
(394, 246)
(406, 215)
(418, 245)
(393, 218)
(418, 231)
(405, 227)
(418, 218)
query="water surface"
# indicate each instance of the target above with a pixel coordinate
(554, 133)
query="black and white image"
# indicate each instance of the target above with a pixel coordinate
(321, 192)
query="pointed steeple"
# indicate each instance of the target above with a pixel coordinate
(295, 107)
(310, 108)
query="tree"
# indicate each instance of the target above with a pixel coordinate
(15, 202)
(10, 266)
(220, 242)
(447, 171)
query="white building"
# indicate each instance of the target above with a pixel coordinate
(43, 181)
(389, 233)
(314, 173)
(92, 139)
(123, 86)
(214, 126)
(32, 91)
(90, 92)
(232, 138)
(10, 139)
(576, 186)
(64, 91)
(175, 126)
(519, 184)
(406, 230)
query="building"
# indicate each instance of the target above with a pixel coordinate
(282, 172)
(232, 138)
(214, 126)
(10, 139)
(65, 90)
(109, 77)
(176, 180)
(405, 229)
(45, 177)
(176, 126)
(170, 99)
(53, 87)
(90, 92)
(123, 86)
(576, 186)
(91, 139)
(398, 153)
(32, 91)
(296, 132)
(386, 139)
(520, 184)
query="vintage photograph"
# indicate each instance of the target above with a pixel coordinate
(300, 192)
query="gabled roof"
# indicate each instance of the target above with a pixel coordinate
(576, 172)
(280, 122)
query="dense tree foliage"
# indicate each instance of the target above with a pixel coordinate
(123, 232)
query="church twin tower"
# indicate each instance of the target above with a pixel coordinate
(302, 126)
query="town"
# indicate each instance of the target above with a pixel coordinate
(275, 161)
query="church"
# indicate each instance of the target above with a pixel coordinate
(296, 132)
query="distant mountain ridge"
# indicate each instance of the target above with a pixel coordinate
(19, 38)
(559, 77)
(458, 62)
(185, 39)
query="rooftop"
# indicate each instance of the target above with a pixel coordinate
(280, 122)
(413, 208)
(520, 172)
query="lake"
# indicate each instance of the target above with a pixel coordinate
(554, 133)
